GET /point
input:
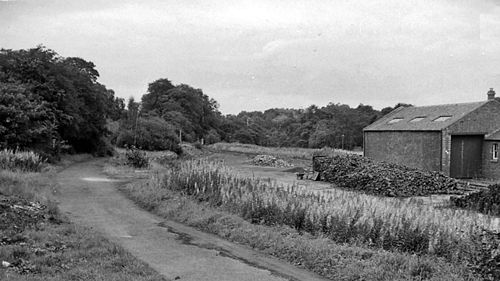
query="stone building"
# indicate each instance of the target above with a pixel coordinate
(461, 140)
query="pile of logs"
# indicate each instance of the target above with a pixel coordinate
(380, 178)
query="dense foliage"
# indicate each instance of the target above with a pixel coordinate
(167, 115)
(380, 178)
(152, 133)
(334, 125)
(486, 201)
(47, 101)
(195, 117)
(136, 158)
(192, 113)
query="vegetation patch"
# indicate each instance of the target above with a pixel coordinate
(280, 152)
(136, 158)
(381, 178)
(485, 201)
(37, 243)
(24, 161)
(340, 216)
(318, 252)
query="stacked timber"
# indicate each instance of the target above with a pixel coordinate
(381, 178)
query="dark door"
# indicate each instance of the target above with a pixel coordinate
(466, 156)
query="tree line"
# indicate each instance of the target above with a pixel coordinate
(49, 103)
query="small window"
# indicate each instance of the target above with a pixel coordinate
(395, 120)
(417, 119)
(442, 118)
(494, 151)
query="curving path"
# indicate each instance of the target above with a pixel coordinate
(176, 251)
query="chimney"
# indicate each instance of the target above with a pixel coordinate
(491, 94)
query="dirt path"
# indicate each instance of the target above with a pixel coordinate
(178, 252)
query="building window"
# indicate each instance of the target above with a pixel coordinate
(494, 151)
(417, 119)
(395, 120)
(441, 118)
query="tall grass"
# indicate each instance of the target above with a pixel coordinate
(342, 216)
(286, 152)
(25, 161)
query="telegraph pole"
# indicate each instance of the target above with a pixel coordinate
(136, 121)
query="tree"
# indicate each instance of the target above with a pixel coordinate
(55, 98)
(156, 91)
(152, 133)
(184, 107)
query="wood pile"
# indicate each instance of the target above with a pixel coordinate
(381, 178)
(485, 201)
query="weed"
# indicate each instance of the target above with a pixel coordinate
(25, 161)
(344, 217)
(316, 253)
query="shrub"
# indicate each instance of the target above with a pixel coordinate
(212, 137)
(152, 133)
(136, 158)
(381, 178)
(198, 145)
(26, 161)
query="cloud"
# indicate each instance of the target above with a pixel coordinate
(359, 51)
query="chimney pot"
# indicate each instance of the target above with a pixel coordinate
(491, 94)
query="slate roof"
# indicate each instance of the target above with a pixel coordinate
(455, 111)
(493, 136)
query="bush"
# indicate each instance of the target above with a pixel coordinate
(104, 148)
(198, 145)
(381, 178)
(136, 158)
(26, 161)
(152, 133)
(486, 201)
(212, 137)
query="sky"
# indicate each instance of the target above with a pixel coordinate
(255, 54)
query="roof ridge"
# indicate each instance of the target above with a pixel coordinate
(456, 111)
(494, 132)
(458, 103)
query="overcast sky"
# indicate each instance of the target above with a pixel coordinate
(255, 55)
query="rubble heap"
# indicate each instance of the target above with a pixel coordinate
(18, 215)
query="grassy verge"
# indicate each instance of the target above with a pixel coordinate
(351, 260)
(284, 152)
(38, 243)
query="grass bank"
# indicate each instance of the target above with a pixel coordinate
(283, 152)
(38, 243)
(288, 223)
